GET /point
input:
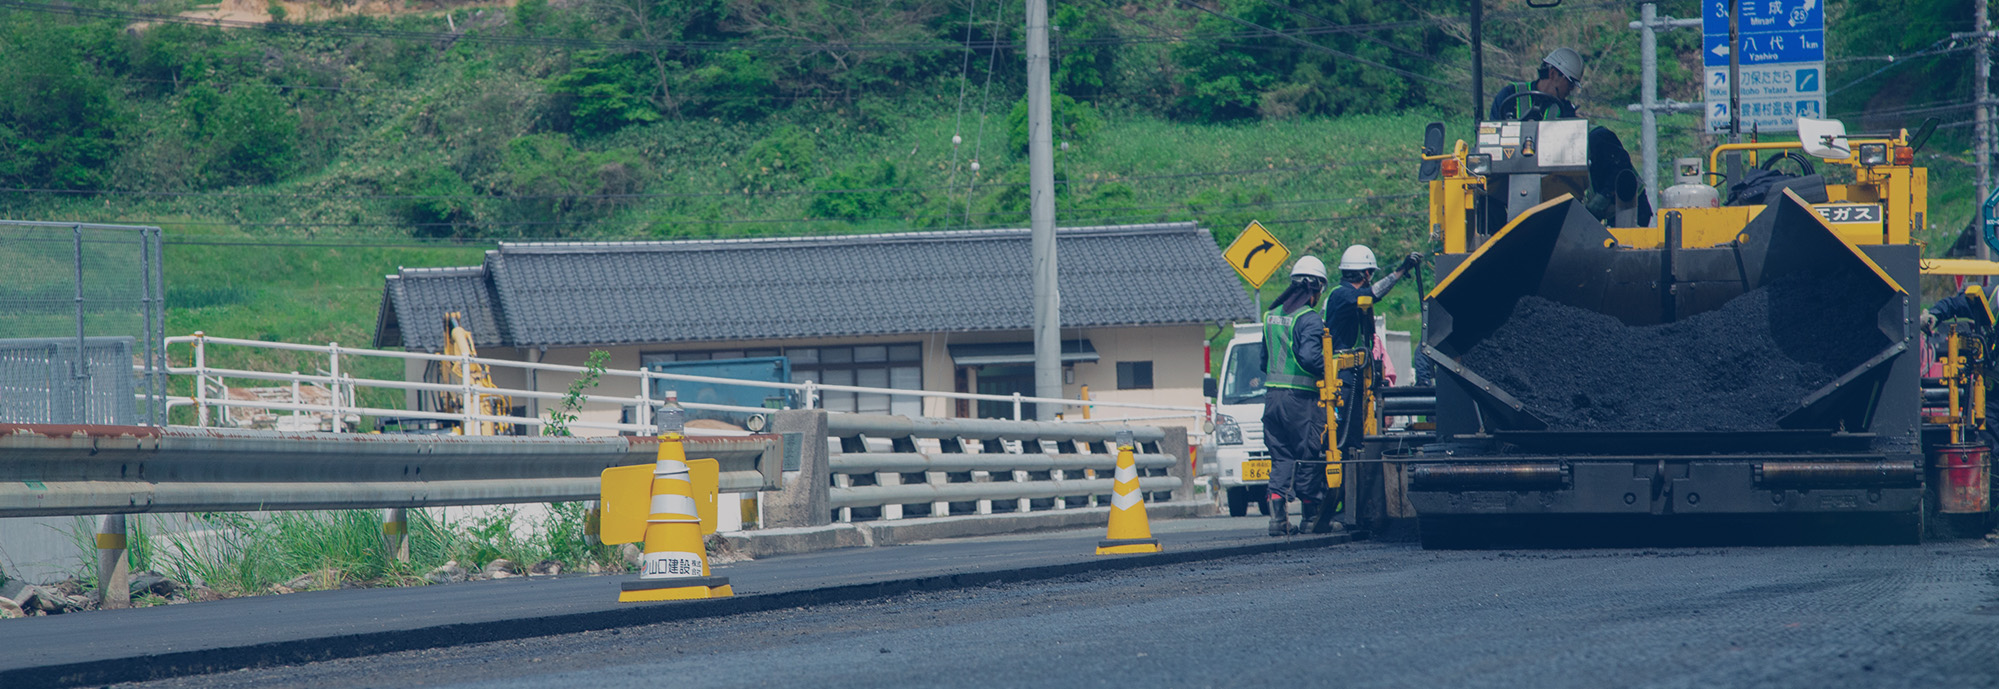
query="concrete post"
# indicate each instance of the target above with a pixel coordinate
(114, 568)
(804, 498)
(396, 534)
(1175, 444)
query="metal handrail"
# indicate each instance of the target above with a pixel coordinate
(343, 402)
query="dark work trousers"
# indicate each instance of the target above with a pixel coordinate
(1294, 428)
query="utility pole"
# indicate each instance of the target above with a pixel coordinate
(1477, 63)
(1734, 91)
(1983, 112)
(1649, 106)
(1041, 215)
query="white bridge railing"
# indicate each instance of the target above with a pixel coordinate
(338, 380)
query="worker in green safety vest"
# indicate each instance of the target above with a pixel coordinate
(1561, 72)
(1294, 425)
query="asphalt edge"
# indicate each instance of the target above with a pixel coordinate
(298, 651)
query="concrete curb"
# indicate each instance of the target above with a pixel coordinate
(806, 539)
(167, 665)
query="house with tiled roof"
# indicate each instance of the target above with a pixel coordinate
(944, 311)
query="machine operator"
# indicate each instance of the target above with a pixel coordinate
(1610, 168)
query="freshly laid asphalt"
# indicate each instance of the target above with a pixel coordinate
(1361, 615)
(104, 647)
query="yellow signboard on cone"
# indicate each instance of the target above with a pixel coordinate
(1255, 254)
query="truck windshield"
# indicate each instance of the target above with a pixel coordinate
(1242, 383)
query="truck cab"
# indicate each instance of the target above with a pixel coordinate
(1242, 461)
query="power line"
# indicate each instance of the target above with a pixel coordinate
(1106, 178)
(1267, 31)
(759, 221)
(633, 45)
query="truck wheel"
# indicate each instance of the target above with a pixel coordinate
(1262, 500)
(1238, 501)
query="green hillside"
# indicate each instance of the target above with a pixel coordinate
(297, 155)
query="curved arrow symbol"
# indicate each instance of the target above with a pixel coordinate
(1265, 246)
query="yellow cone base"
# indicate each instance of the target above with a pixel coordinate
(677, 588)
(1120, 546)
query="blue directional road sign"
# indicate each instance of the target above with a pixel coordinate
(1781, 58)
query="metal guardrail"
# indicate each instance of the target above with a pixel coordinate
(892, 467)
(55, 470)
(343, 385)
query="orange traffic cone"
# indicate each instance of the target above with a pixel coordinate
(675, 563)
(1129, 530)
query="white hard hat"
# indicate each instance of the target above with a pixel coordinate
(1309, 266)
(1566, 61)
(1357, 257)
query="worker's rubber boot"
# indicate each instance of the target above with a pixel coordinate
(1280, 516)
(1306, 510)
(1324, 521)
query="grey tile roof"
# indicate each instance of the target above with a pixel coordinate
(589, 294)
(414, 302)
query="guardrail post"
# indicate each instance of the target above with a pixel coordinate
(395, 532)
(804, 499)
(811, 394)
(295, 395)
(593, 523)
(1175, 444)
(333, 355)
(201, 378)
(1016, 406)
(114, 568)
(1025, 505)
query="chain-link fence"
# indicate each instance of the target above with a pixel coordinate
(82, 324)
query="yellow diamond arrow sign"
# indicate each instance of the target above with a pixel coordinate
(1255, 254)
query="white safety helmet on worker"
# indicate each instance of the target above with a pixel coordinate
(1309, 266)
(1357, 257)
(1567, 61)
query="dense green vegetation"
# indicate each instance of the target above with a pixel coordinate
(295, 162)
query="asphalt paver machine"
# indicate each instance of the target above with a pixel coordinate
(1757, 365)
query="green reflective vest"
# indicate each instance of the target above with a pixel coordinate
(1280, 365)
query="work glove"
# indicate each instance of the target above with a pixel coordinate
(1929, 321)
(1410, 263)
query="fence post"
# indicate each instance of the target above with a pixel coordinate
(114, 566)
(201, 378)
(295, 397)
(645, 399)
(468, 400)
(395, 532)
(811, 394)
(1016, 406)
(333, 353)
(805, 498)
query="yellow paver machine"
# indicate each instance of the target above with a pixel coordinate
(1758, 365)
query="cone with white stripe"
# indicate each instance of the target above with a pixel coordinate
(669, 505)
(1129, 530)
(675, 563)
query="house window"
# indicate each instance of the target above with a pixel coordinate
(1134, 375)
(894, 366)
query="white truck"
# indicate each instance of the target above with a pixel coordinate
(1242, 462)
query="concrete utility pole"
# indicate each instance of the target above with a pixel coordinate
(1477, 63)
(1041, 214)
(1649, 106)
(1983, 113)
